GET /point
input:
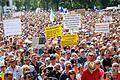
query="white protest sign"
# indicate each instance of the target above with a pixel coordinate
(12, 27)
(38, 42)
(72, 21)
(102, 27)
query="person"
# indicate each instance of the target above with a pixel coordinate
(16, 70)
(35, 63)
(107, 62)
(91, 73)
(90, 58)
(31, 67)
(99, 66)
(27, 76)
(67, 56)
(81, 56)
(115, 71)
(24, 69)
(52, 60)
(80, 72)
(65, 73)
(107, 76)
(58, 70)
(102, 53)
(71, 75)
(8, 75)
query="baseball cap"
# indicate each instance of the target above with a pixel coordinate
(52, 57)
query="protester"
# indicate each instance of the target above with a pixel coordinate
(115, 71)
(95, 57)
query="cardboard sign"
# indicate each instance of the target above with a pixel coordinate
(35, 42)
(53, 31)
(69, 39)
(102, 27)
(72, 21)
(38, 42)
(12, 27)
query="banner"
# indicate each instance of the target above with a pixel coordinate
(69, 39)
(102, 27)
(53, 31)
(12, 27)
(72, 21)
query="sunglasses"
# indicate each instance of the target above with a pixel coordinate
(116, 66)
(72, 73)
(97, 63)
(10, 75)
(28, 76)
(91, 55)
(7, 60)
(27, 60)
(12, 62)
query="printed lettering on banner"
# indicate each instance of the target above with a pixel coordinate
(102, 27)
(72, 21)
(53, 31)
(69, 39)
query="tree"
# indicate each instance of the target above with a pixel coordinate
(69, 4)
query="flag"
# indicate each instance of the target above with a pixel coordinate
(94, 7)
(2, 75)
(52, 15)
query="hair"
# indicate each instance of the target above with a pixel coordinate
(108, 51)
(6, 74)
(25, 74)
(25, 68)
(107, 74)
(115, 64)
(71, 72)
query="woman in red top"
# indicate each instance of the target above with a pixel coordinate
(115, 72)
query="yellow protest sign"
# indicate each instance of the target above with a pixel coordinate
(53, 31)
(69, 39)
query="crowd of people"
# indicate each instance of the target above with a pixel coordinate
(95, 57)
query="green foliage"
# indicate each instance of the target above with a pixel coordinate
(70, 4)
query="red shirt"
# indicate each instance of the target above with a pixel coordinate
(116, 77)
(96, 75)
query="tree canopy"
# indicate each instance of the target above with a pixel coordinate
(70, 4)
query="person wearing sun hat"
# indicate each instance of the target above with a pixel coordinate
(90, 58)
(91, 73)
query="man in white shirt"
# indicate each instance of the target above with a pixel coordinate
(16, 70)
